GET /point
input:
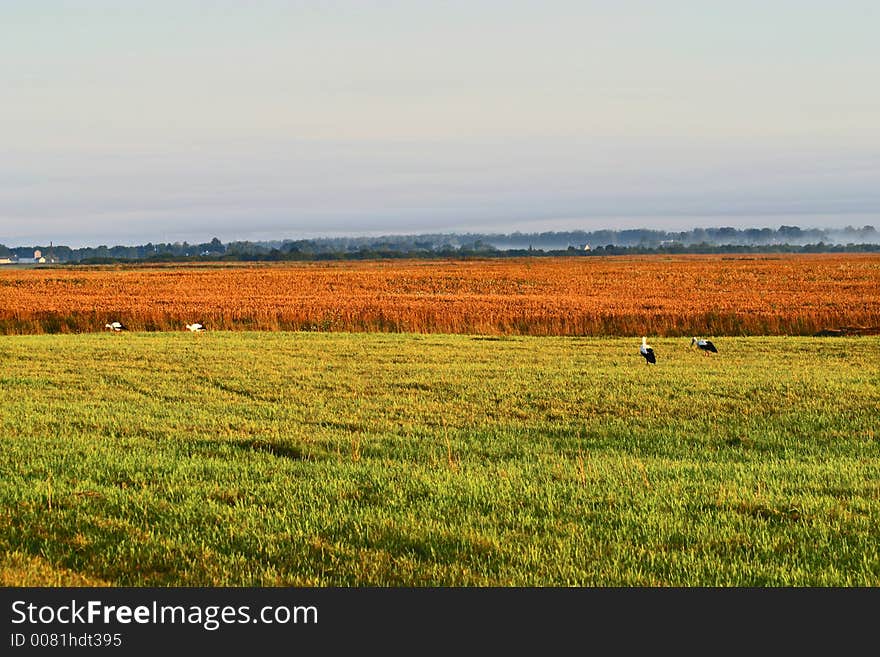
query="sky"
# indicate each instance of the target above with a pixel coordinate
(126, 122)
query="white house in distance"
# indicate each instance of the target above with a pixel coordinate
(37, 259)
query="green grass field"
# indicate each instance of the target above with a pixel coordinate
(297, 459)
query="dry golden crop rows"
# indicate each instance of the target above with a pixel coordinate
(657, 295)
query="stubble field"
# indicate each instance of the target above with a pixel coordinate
(607, 296)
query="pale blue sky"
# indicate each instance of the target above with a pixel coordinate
(165, 120)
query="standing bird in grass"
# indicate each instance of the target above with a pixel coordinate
(647, 351)
(196, 328)
(116, 326)
(704, 345)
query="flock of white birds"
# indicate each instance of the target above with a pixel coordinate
(646, 350)
(197, 327)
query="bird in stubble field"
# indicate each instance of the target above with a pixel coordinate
(648, 352)
(704, 345)
(196, 328)
(116, 326)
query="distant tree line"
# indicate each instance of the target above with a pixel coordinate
(785, 239)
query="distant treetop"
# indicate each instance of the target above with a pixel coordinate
(722, 239)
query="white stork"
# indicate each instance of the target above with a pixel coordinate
(116, 326)
(704, 345)
(647, 351)
(196, 328)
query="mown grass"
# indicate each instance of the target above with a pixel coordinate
(298, 459)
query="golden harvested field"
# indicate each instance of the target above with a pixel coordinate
(639, 295)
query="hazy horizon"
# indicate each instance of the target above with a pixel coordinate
(494, 230)
(181, 121)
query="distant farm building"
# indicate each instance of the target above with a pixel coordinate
(38, 258)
